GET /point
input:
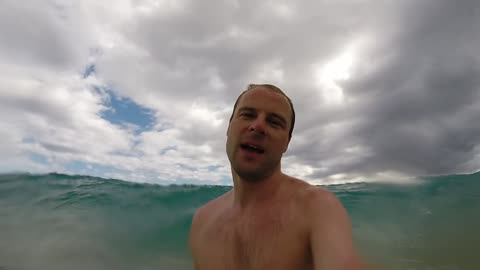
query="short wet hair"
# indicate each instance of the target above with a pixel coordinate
(274, 89)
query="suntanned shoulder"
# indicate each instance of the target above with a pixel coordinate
(318, 198)
(205, 212)
(330, 232)
(331, 225)
(312, 199)
(201, 220)
(308, 193)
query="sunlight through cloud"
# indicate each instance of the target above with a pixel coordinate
(204, 114)
(329, 75)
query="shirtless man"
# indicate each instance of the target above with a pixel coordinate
(269, 220)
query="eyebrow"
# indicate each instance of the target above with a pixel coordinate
(276, 115)
(280, 118)
(250, 109)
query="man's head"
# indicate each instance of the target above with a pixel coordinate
(275, 89)
(259, 131)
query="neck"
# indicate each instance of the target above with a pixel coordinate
(252, 193)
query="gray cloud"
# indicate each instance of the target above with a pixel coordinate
(40, 34)
(418, 104)
(412, 96)
(409, 104)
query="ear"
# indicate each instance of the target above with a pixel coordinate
(286, 145)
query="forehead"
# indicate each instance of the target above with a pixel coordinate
(267, 100)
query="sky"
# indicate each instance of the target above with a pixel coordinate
(142, 90)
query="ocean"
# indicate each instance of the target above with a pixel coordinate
(56, 221)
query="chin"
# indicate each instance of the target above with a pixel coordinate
(253, 175)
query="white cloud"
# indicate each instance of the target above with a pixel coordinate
(188, 61)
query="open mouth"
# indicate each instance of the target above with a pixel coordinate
(252, 148)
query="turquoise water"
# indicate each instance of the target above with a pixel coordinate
(57, 221)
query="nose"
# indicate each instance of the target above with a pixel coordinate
(258, 126)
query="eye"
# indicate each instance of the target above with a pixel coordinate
(247, 114)
(275, 123)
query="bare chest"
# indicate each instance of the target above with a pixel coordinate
(268, 240)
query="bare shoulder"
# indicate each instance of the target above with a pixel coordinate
(329, 228)
(331, 232)
(205, 212)
(313, 198)
(314, 202)
(322, 201)
(203, 219)
(324, 209)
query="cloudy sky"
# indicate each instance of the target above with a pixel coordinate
(141, 90)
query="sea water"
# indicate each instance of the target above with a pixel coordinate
(56, 221)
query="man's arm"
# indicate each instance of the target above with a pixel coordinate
(194, 241)
(331, 234)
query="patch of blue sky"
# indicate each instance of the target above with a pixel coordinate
(214, 168)
(28, 140)
(37, 158)
(186, 167)
(89, 70)
(226, 181)
(123, 111)
(166, 149)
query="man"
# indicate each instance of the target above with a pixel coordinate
(269, 220)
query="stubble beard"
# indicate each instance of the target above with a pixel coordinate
(264, 169)
(256, 174)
